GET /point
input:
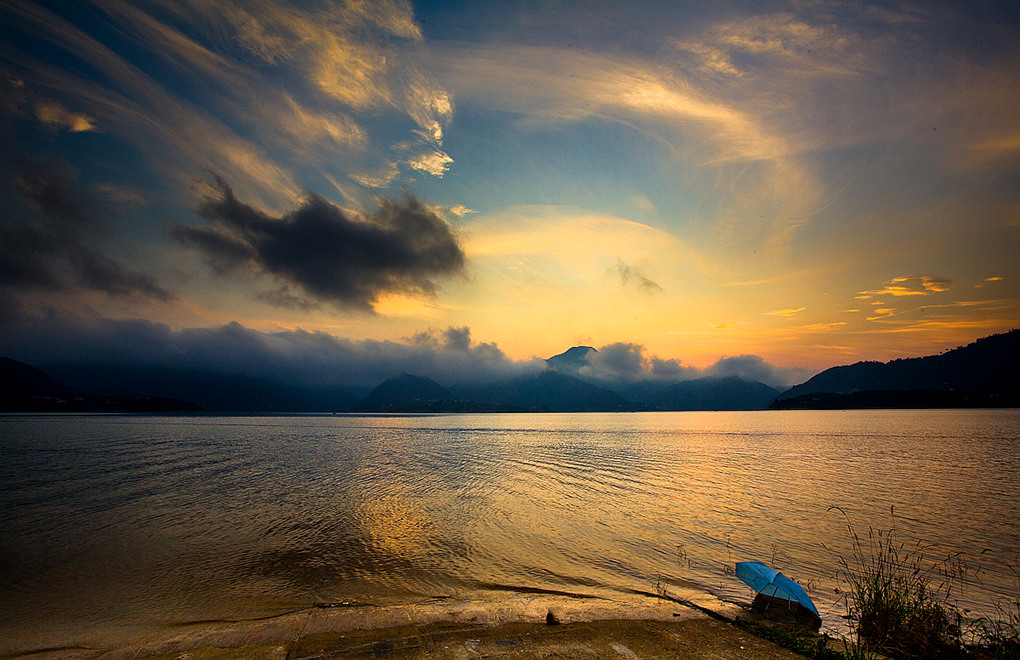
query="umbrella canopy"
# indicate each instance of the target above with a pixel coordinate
(770, 582)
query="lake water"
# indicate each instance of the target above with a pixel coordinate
(116, 525)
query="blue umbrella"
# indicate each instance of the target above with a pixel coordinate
(771, 582)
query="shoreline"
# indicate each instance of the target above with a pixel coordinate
(515, 623)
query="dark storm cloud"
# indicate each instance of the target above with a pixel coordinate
(669, 369)
(320, 249)
(296, 357)
(456, 344)
(301, 358)
(44, 244)
(753, 367)
(457, 338)
(619, 360)
(627, 362)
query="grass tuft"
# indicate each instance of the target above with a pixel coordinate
(804, 642)
(899, 599)
(999, 636)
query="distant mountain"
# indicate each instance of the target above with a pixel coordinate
(557, 392)
(983, 373)
(406, 390)
(729, 393)
(20, 379)
(986, 370)
(213, 391)
(571, 360)
(647, 394)
(551, 391)
(23, 388)
(642, 391)
(410, 394)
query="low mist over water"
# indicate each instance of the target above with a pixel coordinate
(113, 525)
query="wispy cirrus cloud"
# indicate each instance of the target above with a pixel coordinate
(556, 85)
(786, 313)
(271, 88)
(380, 178)
(692, 122)
(746, 46)
(177, 139)
(957, 305)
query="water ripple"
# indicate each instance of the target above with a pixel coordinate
(132, 521)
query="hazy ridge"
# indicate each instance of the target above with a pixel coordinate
(981, 374)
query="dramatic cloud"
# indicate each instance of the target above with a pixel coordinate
(324, 251)
(455, 338)
(303, 358)
(44, 244)
(453, 351)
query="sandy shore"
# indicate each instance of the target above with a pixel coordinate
(515, 625)
(696, 637)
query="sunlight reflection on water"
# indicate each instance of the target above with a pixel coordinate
(128, 522)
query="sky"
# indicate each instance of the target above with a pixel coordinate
(696, 188)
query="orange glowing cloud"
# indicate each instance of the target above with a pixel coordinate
(918, 285)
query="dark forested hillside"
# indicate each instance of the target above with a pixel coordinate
(985, 370)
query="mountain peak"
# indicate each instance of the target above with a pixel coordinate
(23, 379)
(571, 359)
(404, 392)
